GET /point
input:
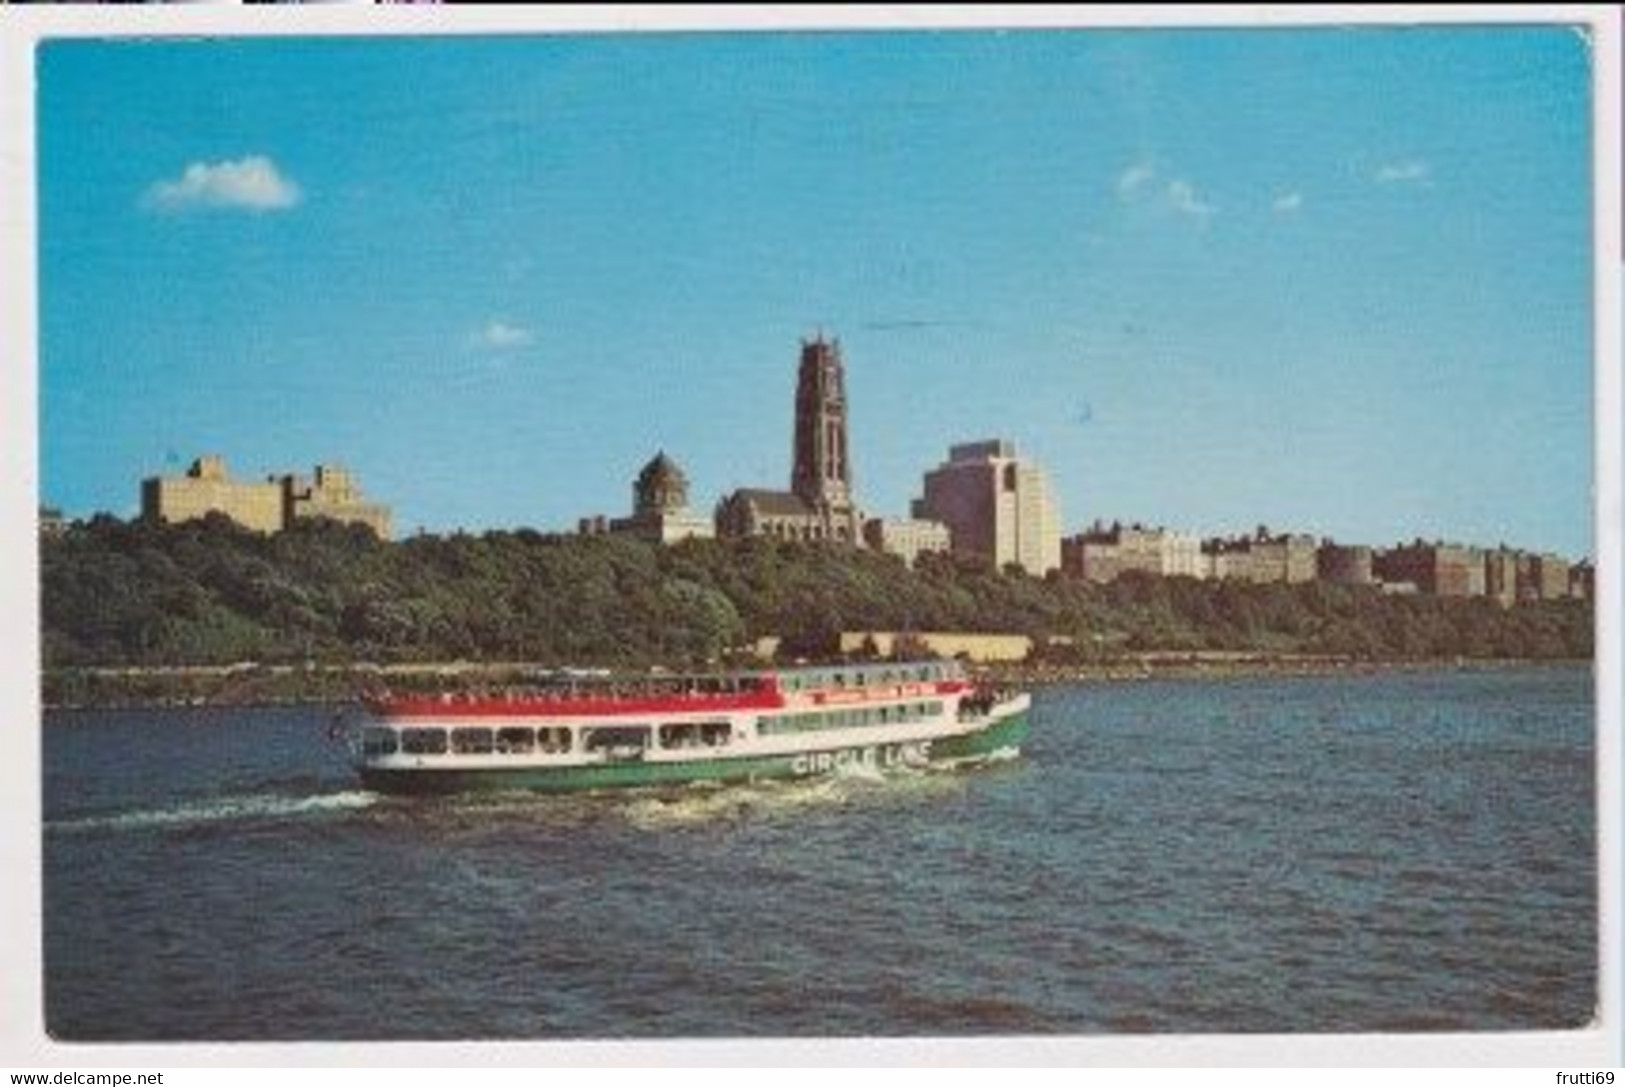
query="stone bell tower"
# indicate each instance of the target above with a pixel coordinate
(822, 476)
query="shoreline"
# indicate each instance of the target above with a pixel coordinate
(242, 685)
(1248, 666)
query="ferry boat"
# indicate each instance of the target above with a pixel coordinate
(577, 734)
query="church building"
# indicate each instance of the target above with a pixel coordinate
(660, 511)
(819, 504)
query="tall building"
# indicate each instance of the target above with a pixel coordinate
(1436, 569)
(1345, 564)
(906, 537)
(1542, 577)
(997, 506)
(660, 510)
(1583, 580)
(819, 504)
(332, 493)
(207, 487)
(1501, 575)
(1263, 558)
(1103, 554)
(271, 506)
(822, 476)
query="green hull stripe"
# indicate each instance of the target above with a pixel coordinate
(1008, 733)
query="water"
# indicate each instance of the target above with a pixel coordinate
(1394, 853)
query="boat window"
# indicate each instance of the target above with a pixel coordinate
(553, 741)
(423, 741)
(695, 734)
(516, 741)
(795, 722)
(617, 738)
(377, 740)
(685, 735)
(472, 741)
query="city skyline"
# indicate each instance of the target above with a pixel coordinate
(1334, 282)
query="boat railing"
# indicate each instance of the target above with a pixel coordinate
(700, 690)
(984, 698)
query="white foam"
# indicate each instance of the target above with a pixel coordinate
(223, 809)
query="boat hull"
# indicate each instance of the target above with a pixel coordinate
(1001, 734)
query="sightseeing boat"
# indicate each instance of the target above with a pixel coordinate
(575, 734)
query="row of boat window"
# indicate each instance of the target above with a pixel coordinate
(619, 739)
(594, 689)
(858, 718)
(471, 740)
(871, 676)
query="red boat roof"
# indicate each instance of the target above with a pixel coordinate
(565, 704)
(576, 696)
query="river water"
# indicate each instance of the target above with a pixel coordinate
(1403, 852)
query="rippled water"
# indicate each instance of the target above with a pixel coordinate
(1404, 852)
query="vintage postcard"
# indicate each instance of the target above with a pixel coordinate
(1005, 530)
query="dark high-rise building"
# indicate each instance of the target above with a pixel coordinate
(822, 476)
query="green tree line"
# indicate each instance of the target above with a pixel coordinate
(210, 592)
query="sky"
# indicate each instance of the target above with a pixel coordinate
(1335, 281)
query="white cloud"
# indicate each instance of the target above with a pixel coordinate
(1139, 184)
(1134, 177)
(499, 335)
(1183, 198)
(251, 184)
(1409, 172)
(1288, 203)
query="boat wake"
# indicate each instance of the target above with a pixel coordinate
(845, 785)
(732, 803)
(254, 806)
(997, 755)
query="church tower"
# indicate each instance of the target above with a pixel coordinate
(819, 505)
(660, 488)
(822, 476)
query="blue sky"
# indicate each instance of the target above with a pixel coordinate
(1334, 281)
